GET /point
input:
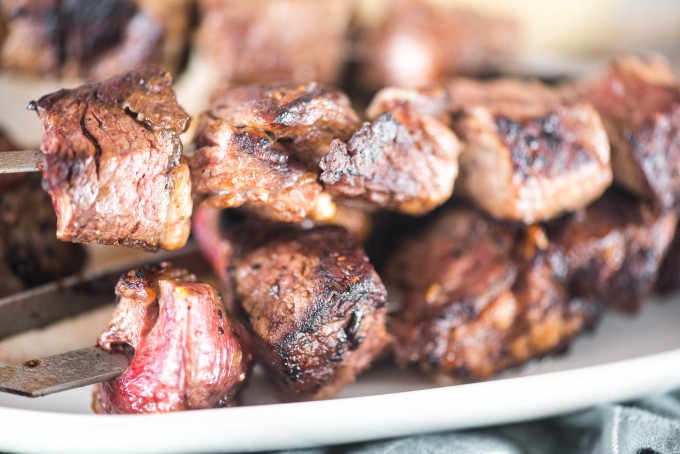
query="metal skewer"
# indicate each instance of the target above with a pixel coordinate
(21, 161)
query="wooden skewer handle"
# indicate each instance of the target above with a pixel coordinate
(21, 161)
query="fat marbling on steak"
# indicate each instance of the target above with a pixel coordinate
(113, 161)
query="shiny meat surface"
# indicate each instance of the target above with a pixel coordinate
(187, 354)
(420, 43)
(113, 161)
(528, 155)
(403, 159)
(639, 101)
(313, 303)
(275, 41)
(94, 39)
(614, 249)
(31, 254)
(481, 297)
(306, 118)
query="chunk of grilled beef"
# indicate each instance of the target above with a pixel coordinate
(419, 43)
(404, 159)
(480, 297)
(30, 254)
(113, 161)
(528, 154)
(186, 353)
(263, 41)
(305, 118)
(82, 38)
(615, 248)
(314, 305)
(639, 101)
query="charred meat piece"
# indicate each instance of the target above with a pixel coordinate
(235, 166)
(528, 154)
(81, 38)
(614, 249)
(403, 160)
(113, 161)
(30, 253)
(263, 41)
(639, 101)
(187, 354)
(669, 274)
(305, 118)
(419, 43)
(481, 297)
(313, 303)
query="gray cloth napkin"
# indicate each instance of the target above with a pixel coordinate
(648, 426)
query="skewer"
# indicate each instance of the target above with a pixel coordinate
(21, 161)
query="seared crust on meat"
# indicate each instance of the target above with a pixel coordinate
(315, 305)
(305, 117)
(639, 101)
(234, 166)
(477, 301)
(403, 160)
(528, 155)
(187, 354)
(113, 161)
(614, 249)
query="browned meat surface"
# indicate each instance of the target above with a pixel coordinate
(306, 118)
(404, 159)
(275, 40)
(528, 155)
(639, 101)
(83, 38)
(113, 161)
(313, 303)
(29, 251)
(615, 248)
(260, 145)
(187, 354)
(418, 43)
(479, 298)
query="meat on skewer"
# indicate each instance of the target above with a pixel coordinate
(528, 154)
(480, 297)
(615, 248)
(187, 353)
(264, 41)
(314, 305)
(639, 101)
(113, 161)
(405, 159)
(260, 145)
(82, 38)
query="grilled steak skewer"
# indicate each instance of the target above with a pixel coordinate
(528, 154)
(405, 159)
(639, 101)
(615, 248)
(187, 354)
(114, 166)
(314, 305)
(480, 297)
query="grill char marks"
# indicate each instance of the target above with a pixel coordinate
(615, 249)
(481, 297)
(639, 101)
(405, 159)
(127, 125)
(187, 354)
(528, 155)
